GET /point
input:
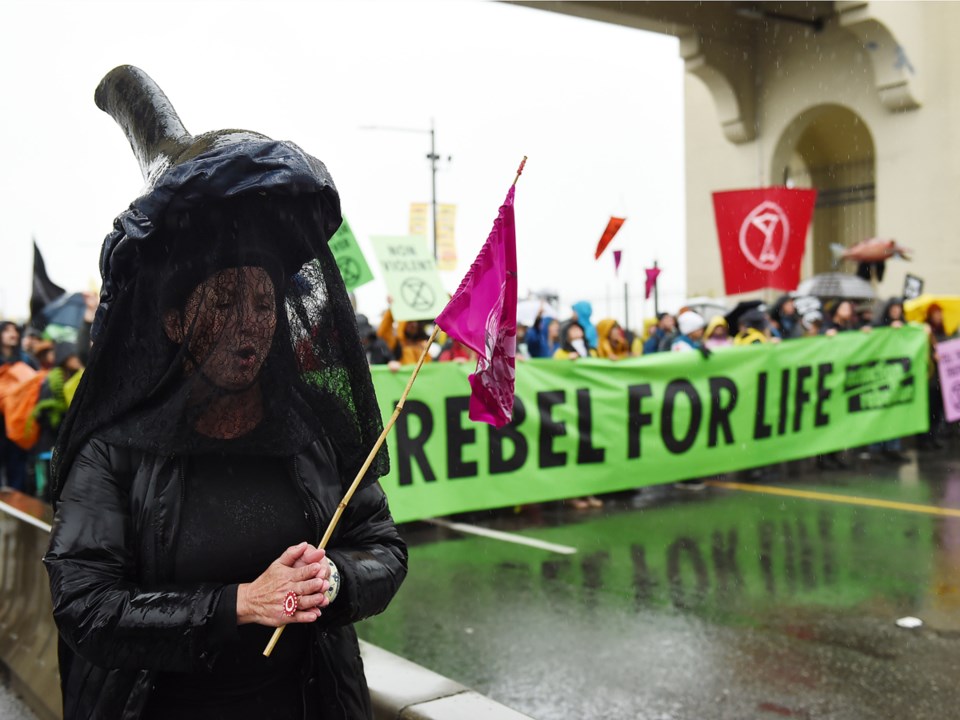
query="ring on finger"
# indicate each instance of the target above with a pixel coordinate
(290, 604)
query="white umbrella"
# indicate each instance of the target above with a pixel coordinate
(706, 306)
(527, 311)
(837, 285)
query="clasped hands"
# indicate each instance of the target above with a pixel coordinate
(301, 569)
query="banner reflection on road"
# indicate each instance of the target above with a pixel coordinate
(737, 559)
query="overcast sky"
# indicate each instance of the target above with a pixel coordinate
(596, 107)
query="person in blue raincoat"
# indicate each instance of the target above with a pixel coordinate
(582, 311)
(543, 336)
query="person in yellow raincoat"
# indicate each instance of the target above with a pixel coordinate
(611, 340)
(406, 341)
(717, 333)
(754, 329)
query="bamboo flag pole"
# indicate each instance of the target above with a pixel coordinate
(383, 436)
(363, 470)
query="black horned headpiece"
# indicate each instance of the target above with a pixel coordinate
(214, 204)
(182, 171)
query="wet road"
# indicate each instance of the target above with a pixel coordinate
(714, 604)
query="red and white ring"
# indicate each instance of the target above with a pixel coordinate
(290, 604)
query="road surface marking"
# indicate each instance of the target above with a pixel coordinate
(833, 497)
(504, 536)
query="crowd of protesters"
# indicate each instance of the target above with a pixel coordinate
(573, 335)
(38, 374)
(576, 336)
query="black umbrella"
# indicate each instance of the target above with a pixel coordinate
(742, 308)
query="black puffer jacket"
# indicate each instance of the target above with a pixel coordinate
(121, 622)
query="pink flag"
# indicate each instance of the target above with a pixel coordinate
(652, 275)
(482, 314)
(617, 255)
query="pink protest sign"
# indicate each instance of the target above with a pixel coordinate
(949, 353)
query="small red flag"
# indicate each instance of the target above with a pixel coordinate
(762, 234)
(613, 227)
(617, 255)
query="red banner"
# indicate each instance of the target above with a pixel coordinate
(762, 234)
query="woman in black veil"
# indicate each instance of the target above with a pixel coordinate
(226, 407)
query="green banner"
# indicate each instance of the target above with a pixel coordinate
(346, 251)
(592, 426)
(411, 275)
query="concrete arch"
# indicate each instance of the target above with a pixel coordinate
(725, 72)
(893, 72)
(831, 148)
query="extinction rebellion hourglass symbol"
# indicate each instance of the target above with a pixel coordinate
(350, 270)
(417, 294)
(764, 236)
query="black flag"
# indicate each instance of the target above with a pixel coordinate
(44, 291)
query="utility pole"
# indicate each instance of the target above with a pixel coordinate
(433, 157)
(656, 294)
(626, 306)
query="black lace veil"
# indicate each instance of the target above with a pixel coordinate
(224, 323)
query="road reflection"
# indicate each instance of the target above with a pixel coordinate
(720, 604)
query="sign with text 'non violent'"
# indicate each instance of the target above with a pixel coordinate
(593, 426)
(411, 275)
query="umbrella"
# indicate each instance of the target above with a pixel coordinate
(916, 310)
(742, 308)
(64, 317)
(837, 285)
(527, 311)
(707, 307)
(807, 304)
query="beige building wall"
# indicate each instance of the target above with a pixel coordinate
(870, 101)
(916, 153)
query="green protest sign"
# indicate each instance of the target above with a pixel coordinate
(593, 426)
(346, 251)
(411, 275)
